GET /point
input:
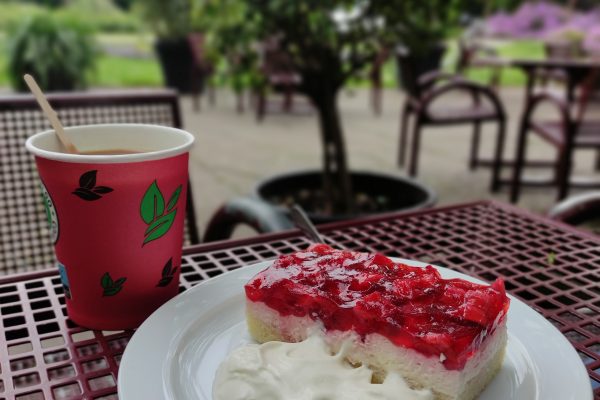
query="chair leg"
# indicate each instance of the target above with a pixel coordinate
(499, 151)
(416, 139)
(376, 99)
(475, 139)
(496, 79)
(288, 98)
(261, 105)
(519, 161)
(239, 101)
(404, 120)
(563, 172)
(212, 96)
(597, 163)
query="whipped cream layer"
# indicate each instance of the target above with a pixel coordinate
(303, 371)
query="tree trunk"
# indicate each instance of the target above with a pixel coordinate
(336, 178)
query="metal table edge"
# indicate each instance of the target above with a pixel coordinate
(223, 244)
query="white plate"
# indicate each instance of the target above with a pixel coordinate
(176, 351)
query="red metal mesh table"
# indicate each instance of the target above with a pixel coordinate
(552, 267)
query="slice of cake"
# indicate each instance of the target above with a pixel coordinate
(447, 335)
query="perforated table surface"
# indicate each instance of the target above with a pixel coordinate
(552, 267)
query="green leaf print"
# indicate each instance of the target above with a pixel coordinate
(110, 287)
(153, 204)
(154, 214)
(167, 268)
(174, 197)
(159, 227)
(168, 274)
(106, 281)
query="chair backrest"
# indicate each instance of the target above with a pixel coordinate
(562, 50)
(275, 61)
(25, 241)
(413, 66)
(588, 86)
(198, 49)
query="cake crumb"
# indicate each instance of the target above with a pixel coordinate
(442, 357)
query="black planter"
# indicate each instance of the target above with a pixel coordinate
(266, 212)
(412, 66)
(402, 194)
(177, 63)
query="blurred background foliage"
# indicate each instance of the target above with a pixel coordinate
(124, 31)
(60, 52)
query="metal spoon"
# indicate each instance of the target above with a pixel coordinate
(300, 219)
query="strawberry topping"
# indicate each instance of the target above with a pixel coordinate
(369, 293)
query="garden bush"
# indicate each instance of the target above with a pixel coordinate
(59, 54)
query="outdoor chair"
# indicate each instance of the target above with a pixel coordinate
(375, 76)
(26, 244)
(473, 54)
(560, 51)
(577, 210)
(202, 70)
(279, 75)
(427, 89)
(570, 132)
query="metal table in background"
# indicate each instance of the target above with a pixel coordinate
(552, 267)
(577, 70)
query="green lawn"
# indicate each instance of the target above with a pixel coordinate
(508, 49)
(114, 71)
(516, 49)
(110, 71)
(126, 72)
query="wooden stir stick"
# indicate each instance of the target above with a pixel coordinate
(50, 114)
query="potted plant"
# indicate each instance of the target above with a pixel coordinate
(172, 22)
(421, 36)
(329, 43)
(59, 52)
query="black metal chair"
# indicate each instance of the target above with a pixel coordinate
(570, 130)
(577, 210)
(427, 89)
(25, 241)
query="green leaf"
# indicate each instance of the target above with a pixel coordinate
(164, 281)
(119, 282)
(153, 204)
(174, 197)
(160, 227)
(112, 291)
(551, 257)
(106, 281)
(167, 268)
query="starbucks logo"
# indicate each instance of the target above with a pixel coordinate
(51, 214)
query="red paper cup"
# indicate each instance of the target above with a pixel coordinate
(116, 220)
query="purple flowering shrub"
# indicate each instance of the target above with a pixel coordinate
(530, 20)
(591, 43)
(548, 21)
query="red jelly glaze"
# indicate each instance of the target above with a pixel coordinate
(368, 293)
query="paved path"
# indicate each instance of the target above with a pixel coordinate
(233, 151)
